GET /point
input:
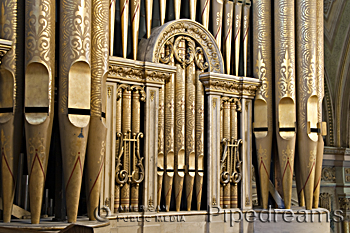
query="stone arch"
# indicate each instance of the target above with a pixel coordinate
(188, 28)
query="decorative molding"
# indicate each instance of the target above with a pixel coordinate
(230, 85)
(128, 70)
(328, 174)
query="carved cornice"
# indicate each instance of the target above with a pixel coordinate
(223, 84)
(132, 71)
(5, 46)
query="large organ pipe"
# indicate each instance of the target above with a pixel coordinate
(227, 42)
(263, 105)
(320, 94)
(149, 8)
(126, 130)
(111, 25)
(199, 133)
(39, 99)
(205, 7)
(74, 95)
(11, 101)
(237, 33)
(307, 99)
(135, 21)
(180, 48)
(169, 148)
(190, 131)
(98, 130)
(124, 20)
(217, 20)
(285, 92)
(162, 11)
(246, 16)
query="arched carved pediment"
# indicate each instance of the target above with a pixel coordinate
(188, 28)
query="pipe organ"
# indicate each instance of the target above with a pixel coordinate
(169, 124)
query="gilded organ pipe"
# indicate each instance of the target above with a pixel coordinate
(177, 9)
(193, 9)
(169, 147)
(285, 92)
(205, 8)
(98, 131)
(111, 25)
(237, 33)
(216, 17)
(190, 123)
(135, 21)
(39, 95)
(227, 38)
(162, 11)
(263, 105)
(180, 54)
(199, 130)
(124, 20)
(246, 16)
(11, 100)
(322, 130)
(74, 95)
(149, 8)
(307, 99)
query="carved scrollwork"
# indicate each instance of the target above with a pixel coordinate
(328, 174)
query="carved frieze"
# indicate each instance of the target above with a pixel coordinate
(328, 174)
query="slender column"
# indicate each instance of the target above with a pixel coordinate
(285, 93)
(124, 19)
(160, 163)
(216, 16)
(320, 94)
(135, 21)
(221, 149)
(74, 95)
(227, 162)
(118, 151)
(237, 33)
(11, 100)
(227, 38)
(39, 104)
(246, 17)
(126, 130)
(180, 124)
(263, 104)
(190, 123)
(307, 99)
(205, 7)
